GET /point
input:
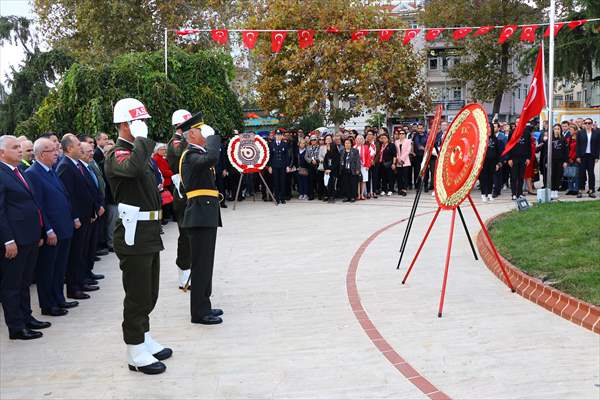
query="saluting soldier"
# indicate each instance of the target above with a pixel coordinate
(175, 147)
(202, 214)
(137, 240)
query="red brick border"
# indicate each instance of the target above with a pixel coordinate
(577, 311)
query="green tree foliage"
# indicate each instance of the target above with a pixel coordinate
(484, 64)
(83, 102)
(16, 31)
(298, 81)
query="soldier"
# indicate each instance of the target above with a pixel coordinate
(175, 147)
(279, 165)
(202, 214)
(137, 240)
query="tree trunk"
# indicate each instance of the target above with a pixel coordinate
(335, 106)
(503, 73)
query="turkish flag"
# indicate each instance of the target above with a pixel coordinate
(432, 34)
(306, 38)
(357, 35)
(249, 38)
(277, 38)
(534, 103)
(506, 33)
(528, 33)
(410, 35)
(482, 30)
(333, 29)
(575, 24)
(219, 36)
(557, 27)
(187, 31)
(461, 33)
(385, 35)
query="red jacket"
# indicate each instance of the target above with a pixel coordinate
(166, 172)
(572, 143)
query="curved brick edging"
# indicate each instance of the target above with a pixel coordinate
(413, 376)
(570, 308)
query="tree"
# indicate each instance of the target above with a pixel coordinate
(334, 69)
(17, 31)
(484, 64)
(84, 100)
(377, 119)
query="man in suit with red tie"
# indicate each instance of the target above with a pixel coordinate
(21, 227)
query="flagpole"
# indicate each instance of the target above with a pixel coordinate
(550, 100)
(166, 52)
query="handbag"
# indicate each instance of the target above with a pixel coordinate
(303, 171)
(570, 171)
(166, 197)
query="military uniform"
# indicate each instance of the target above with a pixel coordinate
(201, 219)
(132, 182)
(175, 148)
(279, 162)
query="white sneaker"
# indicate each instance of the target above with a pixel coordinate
(514, 197)
(382, 193)
(483, 197)
(183, 277)
(490, 197)
(389, 193)
(139, 356)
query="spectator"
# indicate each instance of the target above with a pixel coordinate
(160, 158)
(370, 142)
(302, 166)
(312, 158)
(588, 153)
(519, 158)
(573, 179)
(387, 165)
(27, 149)
(101, 140)
(490, 165)
(349, 171)
(404, 148)
(560, 155)
(331, 163)
(366, 151)
(420, 140)
(111, 206)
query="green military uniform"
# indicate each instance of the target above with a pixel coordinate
(132, 181)
(175, 148)
(201, 219)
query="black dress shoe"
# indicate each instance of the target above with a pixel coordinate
(207, 320)
(111, 250)
(223, 205)
(54, 311)
(152, 369)
(96, 276)
(90, 281)
(79, 295)
(102, 252)
(216, 312)
(25, 334)
(35, 324)
(163, 354)
(89, 288)
(69, 304)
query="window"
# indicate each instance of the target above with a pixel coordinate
(525, 87)
(445, 63)
(433, 64)
(456, 93)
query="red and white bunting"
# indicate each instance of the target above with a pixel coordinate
(461, 33)
(187, 31)
(410, 35)
(277, 38)
(557, 27)
(385, 35)
(219, 36)
(432, 34)
(528, 33)
(358, 35)
(333, 29)
(306, 38)
(575, 24)
(483, 30)
(506, 33)
(249, 38)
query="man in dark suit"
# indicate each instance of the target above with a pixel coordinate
(588, 153)
(21, 227)
(101, 140)
(55, 205)
(84, 211)
(279, 165)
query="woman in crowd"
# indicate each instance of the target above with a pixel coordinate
(312, 158)
(387, 165)
(490, 165)
(349, 171)
(320, 168)
(560, 155)
(331, 165)
(403, 170)
(366, 152)
(302, 165)
(573, 182)
(373, 185)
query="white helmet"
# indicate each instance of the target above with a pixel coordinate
(129, 110)
(179, 116)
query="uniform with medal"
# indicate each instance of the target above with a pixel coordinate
(202, 214)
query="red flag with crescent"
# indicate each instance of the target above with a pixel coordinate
(575, 24)
(410, 35)
(432, 34)
(534, 103)
(461, 33)
(385, 35)
(557, 27)
(482, 30)
(249, 38)
(277, 38)
(357, 35)
(306, 38)
(506, 33)
(528, 33)
(219, 36)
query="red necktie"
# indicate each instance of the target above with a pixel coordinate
(16, 170)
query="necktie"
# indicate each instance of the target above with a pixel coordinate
(16, 170)
(95, 179)
(80, 168)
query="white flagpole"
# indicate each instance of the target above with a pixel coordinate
(550, 98)
(166, 52)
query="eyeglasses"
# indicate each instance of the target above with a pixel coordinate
(587, 123)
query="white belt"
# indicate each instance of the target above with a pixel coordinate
(130, 215)
(150, 215)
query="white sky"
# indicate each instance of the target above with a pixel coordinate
(12, 55)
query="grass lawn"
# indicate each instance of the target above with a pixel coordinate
(557, 242)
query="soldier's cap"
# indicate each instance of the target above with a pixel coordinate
(195, 121)
(279, 132)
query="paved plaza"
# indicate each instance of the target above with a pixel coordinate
(285, 277)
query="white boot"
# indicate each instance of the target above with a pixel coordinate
(183, 277)
(139, 356)
(152, 345)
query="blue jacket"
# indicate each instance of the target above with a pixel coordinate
(83, 202)
(19, 213)
(53, 199)
(280, 155)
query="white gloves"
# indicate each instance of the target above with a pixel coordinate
(138, 128)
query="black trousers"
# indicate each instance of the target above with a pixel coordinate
(387, 177)
(141, 276)
(349, 184)
(587, 167)
(416, 169)
(77, 267)
(498, 180)
(50, 273)
(486, 177)
(183, 244)
(312, 181)
(203, 258)
(17, 274)
(557, 175)
(517, 172)
(403, 177)
(374, 179)
(331, 186)
(320, 184)
(92, 246)
(431, 171)
(278, 183)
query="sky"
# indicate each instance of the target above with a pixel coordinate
(12, 55)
